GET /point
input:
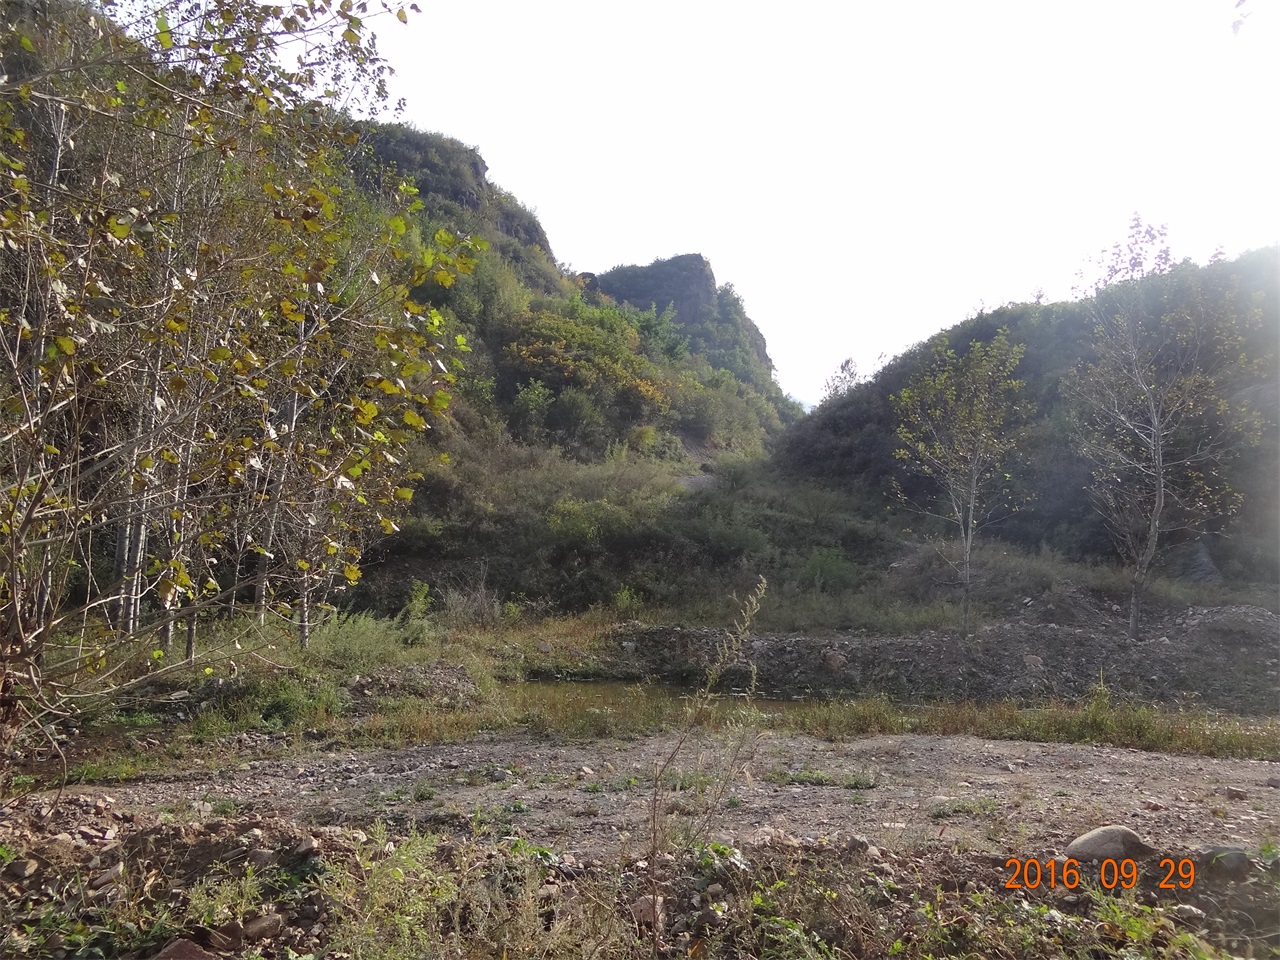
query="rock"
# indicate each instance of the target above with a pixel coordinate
(649, 912)
(770, 837)
(1235, 793)
(1033, 662)
(856, 846)
(1185, 911)
(309, 847)
(1149, 804)
(1225, 863)
(543, 647)
(229, 936)
(835, 661)
(107, 876)
(263, 927)
(183, 949)
(1273, 782)
(1111, 842)
(260, 859)
(21, 869)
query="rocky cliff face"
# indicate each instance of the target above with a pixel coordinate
(686, 281)
(712, 317)
(453, 177)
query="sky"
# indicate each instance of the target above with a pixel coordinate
(864, 174)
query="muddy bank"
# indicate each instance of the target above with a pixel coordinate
(1224, 658)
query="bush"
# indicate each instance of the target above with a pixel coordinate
(828, 569)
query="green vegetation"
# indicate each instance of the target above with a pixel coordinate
(388, 896)
(313, 391)
(847, 444)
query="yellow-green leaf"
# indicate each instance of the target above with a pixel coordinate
(219, 354)
(366, 410)
(402, 16)
(404, 493)
(163, 33)
(66, 345)
(351, 572)
(414, 420)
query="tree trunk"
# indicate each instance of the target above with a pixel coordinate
(304, 615)
(191, 637)
(1134, 611)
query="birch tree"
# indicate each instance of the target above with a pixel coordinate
(957, 421)
(200, 321)
(1155, 416)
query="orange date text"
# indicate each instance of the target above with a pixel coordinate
(1031, 874)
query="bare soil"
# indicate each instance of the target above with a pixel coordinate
(916, 814)
(939, 812)
(988, 797)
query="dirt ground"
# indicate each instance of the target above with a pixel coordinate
(989, 798)
(919, 813)
(938, 813)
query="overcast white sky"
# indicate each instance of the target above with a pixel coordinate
(864, 174)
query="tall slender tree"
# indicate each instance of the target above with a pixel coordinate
(1155, 416)
(958, 419)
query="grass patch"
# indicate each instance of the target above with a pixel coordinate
(1097, 720)
(393, 896)
(962, 807)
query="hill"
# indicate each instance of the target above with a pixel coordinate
(584, 362)
(849, 440)
(713, 318)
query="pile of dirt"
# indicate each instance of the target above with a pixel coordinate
(447, 686)
(1056, 646)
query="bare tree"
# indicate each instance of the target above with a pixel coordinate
(1154, 416)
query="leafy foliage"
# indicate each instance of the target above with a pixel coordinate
(210, 360)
